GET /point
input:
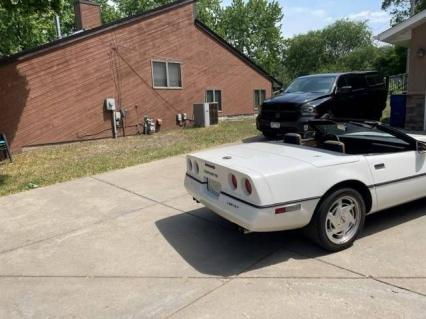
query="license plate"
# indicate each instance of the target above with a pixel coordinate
(213, 187)
(275, 125)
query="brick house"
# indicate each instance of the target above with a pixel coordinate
(157, 63)
(412, 34)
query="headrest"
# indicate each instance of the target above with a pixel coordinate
(293, 138)
(335, 146)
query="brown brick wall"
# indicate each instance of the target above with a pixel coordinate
(414, 116)
(58, 96)
(87, 14)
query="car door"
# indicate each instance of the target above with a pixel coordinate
(344, 100)
(398, 177)
(360, 97)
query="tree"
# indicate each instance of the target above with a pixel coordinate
(391, 60)
(343, 37)
(210, 12)
(31, 6)
(21, 29)
(345, 45)
(25, 24)
(254, 28)
(402, 9)
(132, 7)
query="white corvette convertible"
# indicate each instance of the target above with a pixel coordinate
(328, 182)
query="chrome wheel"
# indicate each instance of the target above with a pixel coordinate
(343, 220)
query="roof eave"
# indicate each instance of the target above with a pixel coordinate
(400, 34)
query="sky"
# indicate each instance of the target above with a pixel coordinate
(301, 16)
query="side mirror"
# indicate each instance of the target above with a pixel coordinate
(344, 89)
(421, 147)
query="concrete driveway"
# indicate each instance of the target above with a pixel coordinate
(132, 244)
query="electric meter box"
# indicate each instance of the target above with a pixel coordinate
(110, 104)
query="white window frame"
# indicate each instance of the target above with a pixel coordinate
(214, 95)
(166, 61)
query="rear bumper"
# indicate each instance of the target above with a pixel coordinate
(298, 126)
(251, 217)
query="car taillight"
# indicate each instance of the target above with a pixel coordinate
(248, 187)
(280, 210)
(234, 181)
(197, 168)
(189, 165)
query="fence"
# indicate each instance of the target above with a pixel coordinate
(398, 83)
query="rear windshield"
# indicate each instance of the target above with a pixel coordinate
(313, 84)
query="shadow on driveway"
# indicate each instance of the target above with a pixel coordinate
(217, 248)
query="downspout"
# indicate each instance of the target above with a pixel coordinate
(58, 27)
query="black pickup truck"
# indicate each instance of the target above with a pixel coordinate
(354, 95)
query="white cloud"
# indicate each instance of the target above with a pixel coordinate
(306, 11)
(371, 16)
(319, 13)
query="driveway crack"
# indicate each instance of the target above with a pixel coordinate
(377, 279)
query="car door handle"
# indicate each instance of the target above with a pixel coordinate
(380, 166)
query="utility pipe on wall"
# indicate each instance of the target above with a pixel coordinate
(58, 27)
(114, 124)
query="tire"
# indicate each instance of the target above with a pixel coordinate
(333, 229)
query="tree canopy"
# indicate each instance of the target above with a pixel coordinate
(402, 9)
(342, 46)
(254, 28)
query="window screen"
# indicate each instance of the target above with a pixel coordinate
(159, 74)
(166, 74)
(174, 75)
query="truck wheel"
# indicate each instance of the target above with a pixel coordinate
(338, 220)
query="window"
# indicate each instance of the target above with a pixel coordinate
(214, 96)
(166, 74)
(374, 79)
(356, 81)
(259, 97)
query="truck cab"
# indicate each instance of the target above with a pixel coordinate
(351, 95)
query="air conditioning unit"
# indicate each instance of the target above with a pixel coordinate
(205, 114)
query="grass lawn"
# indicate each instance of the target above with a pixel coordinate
(53, 164)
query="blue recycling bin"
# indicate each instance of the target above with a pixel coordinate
(398, 104)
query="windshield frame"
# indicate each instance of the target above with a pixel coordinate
(331, 89)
